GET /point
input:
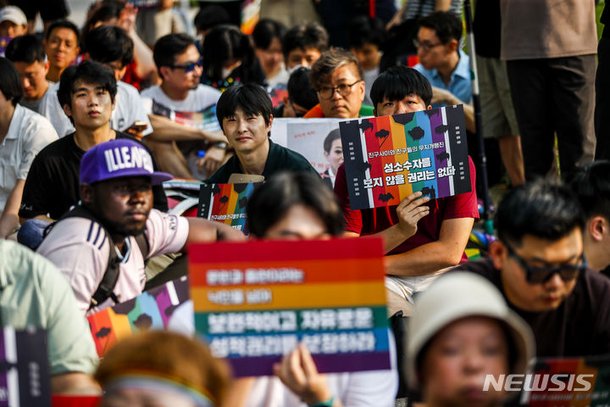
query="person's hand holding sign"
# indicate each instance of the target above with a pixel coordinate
(410, 211)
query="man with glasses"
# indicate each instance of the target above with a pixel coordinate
(337, 79)
(182, 110)
(443, 63)
(538, 263)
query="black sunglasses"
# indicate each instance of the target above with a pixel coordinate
(188, 67)
(542, 274)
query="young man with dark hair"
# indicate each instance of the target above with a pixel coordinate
(422, 238)
(245, 114)
(23, 133)
(61, 46)
(338, 80)
(111, 46)
(303, 44)
(27, 54)
(267, 37)
(592, 186)
(181, 108)
(539, 266)
(87, 94)
(301, 96)
(443, 63)
(116, 179)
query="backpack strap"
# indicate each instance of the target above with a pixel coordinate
(105, 289)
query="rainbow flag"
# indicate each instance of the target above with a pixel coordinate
(225, 203)
(150, 310)
(388, 158)
(255, 301)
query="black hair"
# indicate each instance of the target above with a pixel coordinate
(62, 24)
(271, 201)
(265, 31)
(300, 90)
(101, 13)
(328, 62)
(251, 98)
(399, 81)
(365, 30)
(541, 209)
(89, 72)
(592, 186)
(109, 43)
(209, 17)
(447, 25)
(9, 84)
(25, 48)
(330, 138)
(167, 47)
(224, 43)
(311, 35)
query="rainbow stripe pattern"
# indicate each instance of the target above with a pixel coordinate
(255, 301)
(225, 203)
(388, 158)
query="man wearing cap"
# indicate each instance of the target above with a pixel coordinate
(13, 23)
(115, 188)
(539, 265)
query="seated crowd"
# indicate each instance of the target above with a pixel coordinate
(93, 122)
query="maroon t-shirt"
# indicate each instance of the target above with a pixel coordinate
(370, 221)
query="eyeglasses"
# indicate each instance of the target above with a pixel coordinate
(426, 46)
(327, 92)
(542, 274)
(189, 66)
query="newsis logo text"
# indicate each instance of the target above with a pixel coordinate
(539, 382)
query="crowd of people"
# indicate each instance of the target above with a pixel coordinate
(93, 120)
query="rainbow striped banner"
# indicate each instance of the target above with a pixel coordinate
(255, 301)
(388, 158)
(150, 310)
(225, 203)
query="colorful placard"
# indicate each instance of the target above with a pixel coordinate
(24, 368)
(150, 310)
(562, 382)
(255, 301)
(388, 158)
(225, 203)
(203, 120)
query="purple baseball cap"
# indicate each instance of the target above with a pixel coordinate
(118, 159)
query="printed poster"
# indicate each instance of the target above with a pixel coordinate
(306, 137)
(203, 120)
(225, 203)
(150, 310)
(388, 158)
(25, 374)
(255, 301)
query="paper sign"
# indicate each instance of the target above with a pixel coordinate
(307, 136)
(150, 310)
(255, 301)
(203, 120)
(24, 368)
(225, 203)
(388, 158)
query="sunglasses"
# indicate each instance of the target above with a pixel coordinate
(542, 274)
(188, 67)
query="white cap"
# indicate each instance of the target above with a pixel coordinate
(13, 14)
(459, 295)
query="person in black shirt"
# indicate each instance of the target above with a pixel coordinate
(538, 264)
(87, 94)
(245, 116)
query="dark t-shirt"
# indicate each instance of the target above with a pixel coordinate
(52, 185)
(581, 324)
(279, 159)
(487, 27)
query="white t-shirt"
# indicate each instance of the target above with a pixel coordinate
(78, 247)
(355, 389)
(28, 133)
(128, 109)
(198, 110)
